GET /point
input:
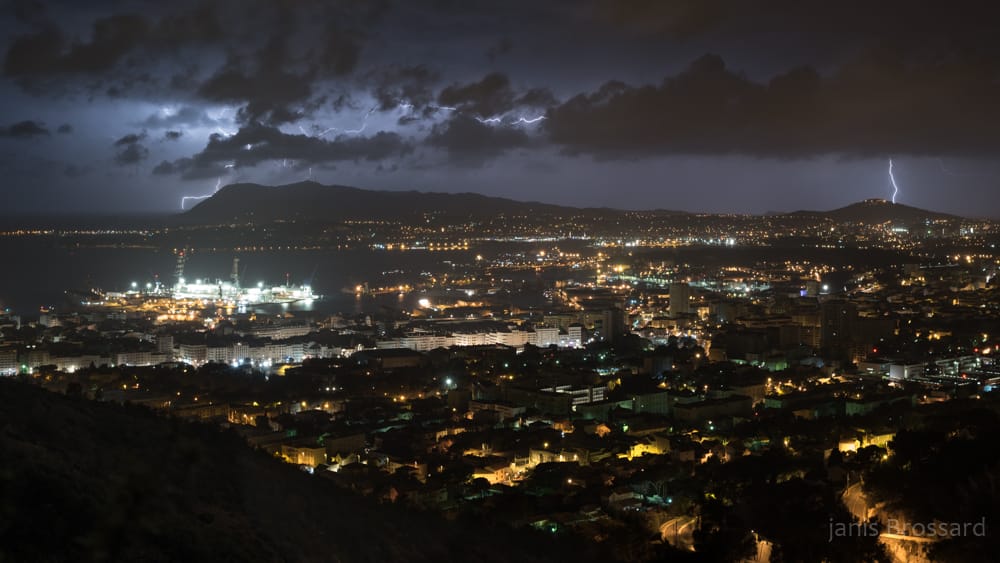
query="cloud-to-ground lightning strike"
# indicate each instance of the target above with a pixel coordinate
(892, 178)
(218, 184)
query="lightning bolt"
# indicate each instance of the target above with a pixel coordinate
(364, 123)
(317, 135)
(499, 120)
(530, 120)
(892, 178)
(184, 200)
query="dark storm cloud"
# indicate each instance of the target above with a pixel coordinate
(74, 171)
(274, 52)
(275, 88)
(490, 96)
(130, 149)
(130, 139)
(886, 18)
(166, 168)
(878, 104)
(186, 167)
(29, 11)
(471, 143)
(395, 85)
(306, 44)
(258, 143)
(493, 96)
(131, 154)
(670, 17)
(24, 130)
(65, 129)
(50, 51)
(536, 98)
(501, 47)
(805, 78)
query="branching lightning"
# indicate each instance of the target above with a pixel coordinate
(892, 178)
(321, 134)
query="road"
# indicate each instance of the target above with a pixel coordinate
(902, 549)
(679, 532)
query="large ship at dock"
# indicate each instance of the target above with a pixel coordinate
(232, 291)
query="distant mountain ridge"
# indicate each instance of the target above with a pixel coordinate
(312, 201)
(872, 211)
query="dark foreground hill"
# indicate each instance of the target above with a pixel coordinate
(88, 481)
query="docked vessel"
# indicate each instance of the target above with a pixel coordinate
(232, 291)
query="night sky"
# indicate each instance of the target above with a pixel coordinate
(699, 105)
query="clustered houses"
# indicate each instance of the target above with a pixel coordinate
(626, 399)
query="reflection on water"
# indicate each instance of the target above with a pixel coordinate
(38, 272)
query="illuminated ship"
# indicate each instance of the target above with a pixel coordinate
(233, 292)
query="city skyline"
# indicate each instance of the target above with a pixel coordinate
(695, 106)
(462, 280)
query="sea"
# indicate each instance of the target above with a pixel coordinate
(37, 272)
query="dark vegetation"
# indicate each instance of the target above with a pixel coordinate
(89, 481)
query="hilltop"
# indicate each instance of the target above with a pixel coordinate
(872, 211)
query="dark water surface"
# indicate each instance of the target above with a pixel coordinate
(37, 272)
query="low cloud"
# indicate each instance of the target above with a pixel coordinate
(24, 130)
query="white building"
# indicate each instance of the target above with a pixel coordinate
(8, 362)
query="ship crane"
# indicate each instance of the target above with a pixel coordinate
(179, 271)
(235, 276)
